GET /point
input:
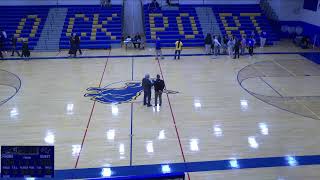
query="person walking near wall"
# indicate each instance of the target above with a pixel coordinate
(216, 46)
(230, 47)
(14, 45)
(237, 49)
(25, 48)
(72, 50)
(208, 43)
(158, 49)
(77, 42)
(178, 50)
(243, 45)
(251, 43)
(263, 39)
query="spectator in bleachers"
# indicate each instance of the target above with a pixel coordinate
(253, 34)
(208, 43)
(251, 43)
(178, 50)
(105, 3)
(154, 5)
(77, 44)
(169, 2)
(216, 46)
(158, 49)
(230, 46)
(237, 49)
(14, 45)
(72, 50)
(25, 48)
(263, 39)
(243, 45)
(136, 41)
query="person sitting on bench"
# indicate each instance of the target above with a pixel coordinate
(305, 42)
(136, 40)
(127, 41)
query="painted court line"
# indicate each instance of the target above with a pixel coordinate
(89, 120)
(228, 164)
(173, 118)
(131, 116)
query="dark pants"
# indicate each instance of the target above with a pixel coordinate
(177, 52)
(236, 53)
(1, 55)
(147, 98)
(78, 49)
(134, 44)
(14, 50)
(25, 53)
(158, 94)
(251, 51)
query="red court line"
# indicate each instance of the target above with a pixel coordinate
(173, 118)
(89, 120)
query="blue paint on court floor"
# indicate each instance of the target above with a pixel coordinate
(230, 164)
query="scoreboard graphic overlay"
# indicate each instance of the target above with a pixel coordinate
(27, 161)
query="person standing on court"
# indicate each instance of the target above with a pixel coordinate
(147, 84)
(216, 46)
(243, 45)
(158, 49)
(77, 43)
(237, 49)
(208, 43)
(178, 48)
(25, 48)
(72, 50)
(1, 45)
(251, 43)
(263, 39)
(230, 47)
(14, 45)
(158, 90)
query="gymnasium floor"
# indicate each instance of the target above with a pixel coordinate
(211, 113)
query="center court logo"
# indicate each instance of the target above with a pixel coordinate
(117, 93)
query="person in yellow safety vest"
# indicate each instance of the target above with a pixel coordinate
(178, 50)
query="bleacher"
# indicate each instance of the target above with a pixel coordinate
(98, 27)
(170, 25)
(241, 20)
(23, 22)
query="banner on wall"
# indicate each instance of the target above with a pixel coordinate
(311, 5)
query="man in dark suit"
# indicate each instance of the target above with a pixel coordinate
(147, 84)
(77, 43)
(14, 45)
(158, 89)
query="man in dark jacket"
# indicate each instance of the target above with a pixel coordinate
(147, 84)
(14, 45)
(158, 89)
(77, 43)
(237, 49)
